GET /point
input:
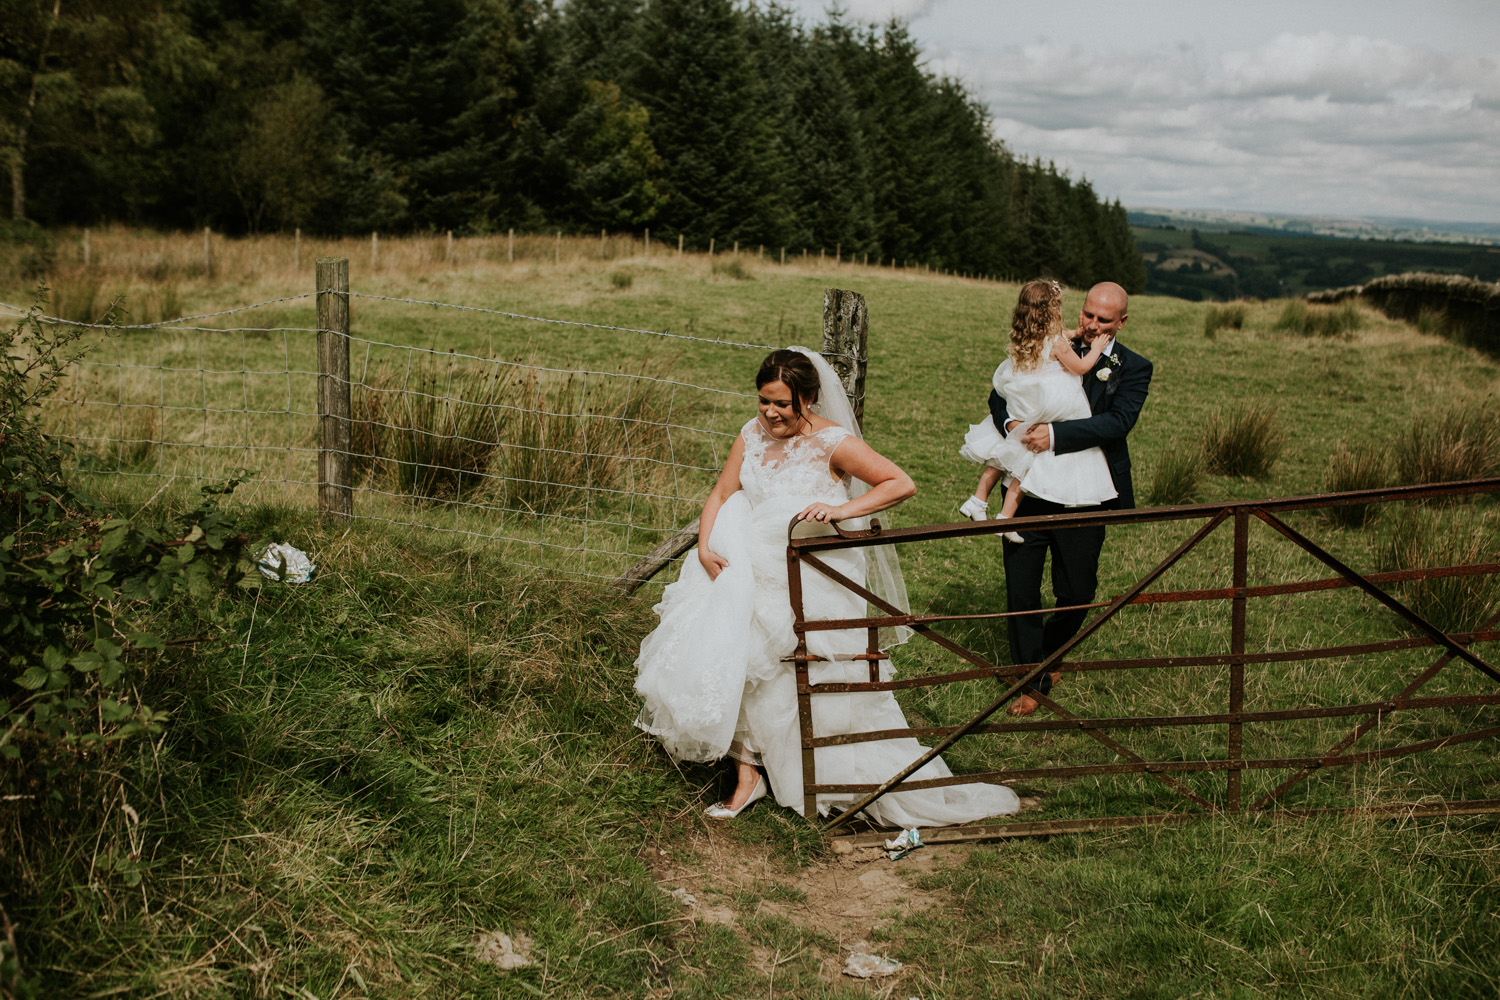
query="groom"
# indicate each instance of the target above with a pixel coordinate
(1116, 389)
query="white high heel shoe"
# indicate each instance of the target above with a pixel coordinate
(720, 811)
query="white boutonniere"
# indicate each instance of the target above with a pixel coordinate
(1108, 371)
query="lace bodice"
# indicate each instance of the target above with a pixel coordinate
(795, 468)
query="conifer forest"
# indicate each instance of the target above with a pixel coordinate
(699, 119)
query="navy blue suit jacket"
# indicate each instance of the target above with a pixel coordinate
(1116, 404)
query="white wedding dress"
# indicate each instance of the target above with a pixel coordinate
(713, 671)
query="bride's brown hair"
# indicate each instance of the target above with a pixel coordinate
(794, 370)
(1036, 320)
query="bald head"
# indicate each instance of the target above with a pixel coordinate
(1103, 311)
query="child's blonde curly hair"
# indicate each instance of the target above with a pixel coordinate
(1037, 319)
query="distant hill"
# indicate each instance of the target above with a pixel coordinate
(1373, 227)
(1207, 264)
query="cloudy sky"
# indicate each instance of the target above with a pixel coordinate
(1375, 107)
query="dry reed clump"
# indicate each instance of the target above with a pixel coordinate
(1242, 440)
(1426, 539)
(1230, 316)
(509, 433)
(732, 268)
(1318, 321)
(1351, 467)
(1176, 478)
(1460, 443)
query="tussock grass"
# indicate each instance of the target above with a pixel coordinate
(732, 268)
(1176, 478)
(1356, 466)
(1426, 538)
(1230, 316)
(1318, 321)
(1452, 444)
(621, 279)
(1242, 440)
(509, 433)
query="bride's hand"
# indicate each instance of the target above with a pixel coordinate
(822, 512)
(712, 562)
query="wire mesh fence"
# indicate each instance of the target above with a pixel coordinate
(557, 465)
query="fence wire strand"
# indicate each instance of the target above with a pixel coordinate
(570, 470)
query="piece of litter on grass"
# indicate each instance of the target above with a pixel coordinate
(503, 951)
(862, 964)
(683, 896)
(899, 847)
(286, 563)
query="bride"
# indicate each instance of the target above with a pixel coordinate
(712, 675)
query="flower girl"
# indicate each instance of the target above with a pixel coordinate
(1040, 382)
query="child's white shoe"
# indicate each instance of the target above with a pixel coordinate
(975, 509)
(1010, 536)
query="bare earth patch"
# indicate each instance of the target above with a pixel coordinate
(845, 900)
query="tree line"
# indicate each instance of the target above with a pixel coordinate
(699, 118)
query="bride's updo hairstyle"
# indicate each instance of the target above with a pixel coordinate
(1036, 320)
(793, 370)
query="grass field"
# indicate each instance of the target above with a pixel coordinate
(428, 743)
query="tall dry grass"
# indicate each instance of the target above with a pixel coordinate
(510, 434)
(1242, 440)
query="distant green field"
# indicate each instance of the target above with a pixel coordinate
(1265, 266)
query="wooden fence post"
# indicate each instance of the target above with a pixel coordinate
(510, 246)
(335, 495)
(846, 341)
(845, 346)
(679, 244)
(648, 241)
(297, 249)
(557, 250)
(85, 246)
(710, 246)
(448, 253)
(208, 252)
(374, 249)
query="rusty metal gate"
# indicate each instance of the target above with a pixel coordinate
(1108, 731)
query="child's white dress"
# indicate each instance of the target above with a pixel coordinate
(1045, 395)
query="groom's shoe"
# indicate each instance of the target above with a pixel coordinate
(721, 810)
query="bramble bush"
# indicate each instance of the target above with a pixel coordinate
(76, 582)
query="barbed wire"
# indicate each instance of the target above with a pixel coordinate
(166, 323)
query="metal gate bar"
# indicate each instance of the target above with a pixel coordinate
(802, 551)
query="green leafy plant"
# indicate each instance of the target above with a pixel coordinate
(75, 581)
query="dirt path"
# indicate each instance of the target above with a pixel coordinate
(853, 898)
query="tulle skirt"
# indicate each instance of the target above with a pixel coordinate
(713, 671)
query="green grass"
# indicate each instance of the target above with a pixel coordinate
(427, 743)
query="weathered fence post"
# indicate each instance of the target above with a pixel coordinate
(710, 246)
(679, 244)
(85, 246)
(845, 346)
(448, 252)
(208, 252)
(846, 341)
(297, 249)
(374, 249)
(335, 496)
(648, 241)
(557, 249)
(510, 246)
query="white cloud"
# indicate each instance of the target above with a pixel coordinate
(880, 11)
(1311, 123)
